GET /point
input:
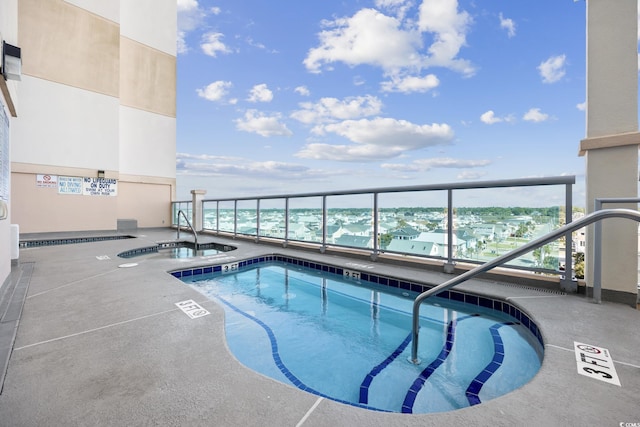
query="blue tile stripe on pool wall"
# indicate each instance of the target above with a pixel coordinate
(280, 364)
(410, 397)
(366, 383)
(474, 388)
(490, 303)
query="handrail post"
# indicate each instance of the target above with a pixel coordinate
(217, 217)
(597, 257)
(376, 227)
(324, 224)
(568, 283)
(257, 220)
(235, 218)
(286, 222)
(449, 267)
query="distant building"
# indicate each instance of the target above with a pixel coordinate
(414, 247)
(405, 233)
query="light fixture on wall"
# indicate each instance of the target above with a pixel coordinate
(11, 62)
(100, 174)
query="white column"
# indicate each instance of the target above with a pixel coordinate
(611, 145)
(197, 196)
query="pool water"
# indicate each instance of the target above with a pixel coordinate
(337, 338)
(185, 252)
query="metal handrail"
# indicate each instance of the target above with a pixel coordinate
(195, 235)
(568, 228)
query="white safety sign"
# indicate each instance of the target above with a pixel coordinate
(192, 309)
(595, 362)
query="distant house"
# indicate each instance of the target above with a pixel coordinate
(441, 240)
(299, 232)
(414, 247)
(353, 230)
(354, 241)
(404, 233)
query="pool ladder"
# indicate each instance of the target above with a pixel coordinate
(193, 230)
(541, 241)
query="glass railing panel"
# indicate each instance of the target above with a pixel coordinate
(491, 222)
(226, 216)
(305, 219)
(272, 218)
(350, 220)
(210, 215)
(247, 221)
(413, 223)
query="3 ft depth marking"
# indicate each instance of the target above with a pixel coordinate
(192, 309)
(595, 362)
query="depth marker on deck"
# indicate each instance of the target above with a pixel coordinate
(192, 309)
(595, 362)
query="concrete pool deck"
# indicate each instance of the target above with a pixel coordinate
(102, 344)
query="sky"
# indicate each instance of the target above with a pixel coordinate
(283, 97)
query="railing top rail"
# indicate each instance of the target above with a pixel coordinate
(522, 182)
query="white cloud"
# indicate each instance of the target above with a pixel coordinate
(368, 37)
(262, 124)
(490, 118)
(397, 7)
(552, 70)
(332, 109)
(449, 28)
(470, 175)
(583, 105)
(211, 44)
(422, 165)
(302, 90)
(190, 16)
(395, 43)
(535, 115)
(186, 5)
(411, 84)
(260, 93)
(208, 165)
(508, 25)
(376, 139)
(215, 91)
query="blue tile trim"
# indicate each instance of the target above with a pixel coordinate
(495, 304)
(68, 241)
(474, 388)
(364, 386)
(280, 364)
(410, 398)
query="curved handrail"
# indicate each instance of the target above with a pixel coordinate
(193, 230)
(534, 244)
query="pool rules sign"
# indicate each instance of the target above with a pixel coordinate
(595, 362)
(99, 187)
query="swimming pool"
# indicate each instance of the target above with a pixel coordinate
(349, 340)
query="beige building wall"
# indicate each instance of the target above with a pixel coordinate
(611, 145)
(99, 82)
